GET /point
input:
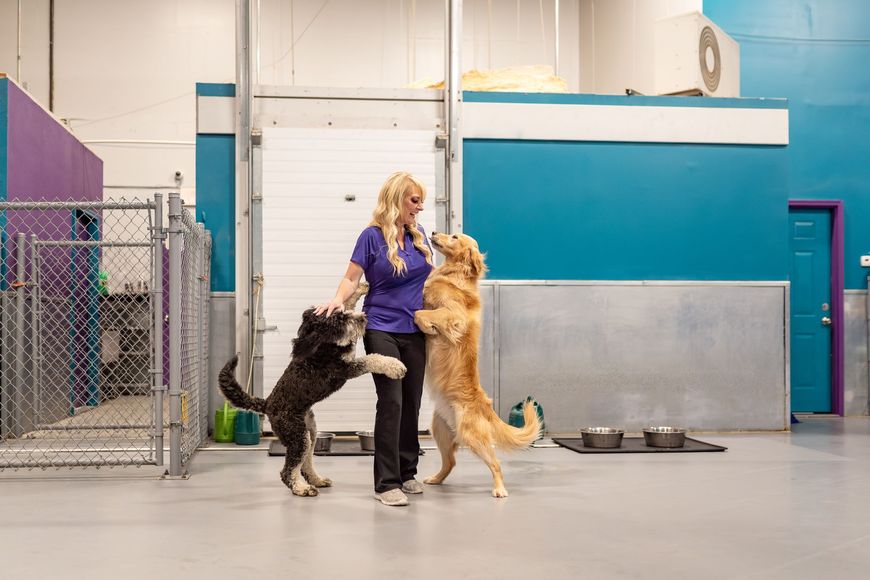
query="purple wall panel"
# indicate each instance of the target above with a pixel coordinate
(46, 162)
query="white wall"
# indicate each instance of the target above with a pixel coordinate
(616, 42)
(34, 44)
(390, 43)
(126, 69)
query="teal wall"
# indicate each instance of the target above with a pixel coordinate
(216, 194)
(216, 206)
(815, 53)
(626, 211)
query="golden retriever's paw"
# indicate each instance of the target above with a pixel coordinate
(423, 324)
(499, 492)
(433, 480)
(304, 490)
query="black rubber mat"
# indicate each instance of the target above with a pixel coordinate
(339, 447)
(637, 445)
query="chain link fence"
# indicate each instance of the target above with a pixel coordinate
(84, 348)
(195, 267)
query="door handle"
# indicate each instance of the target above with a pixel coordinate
(826, 321)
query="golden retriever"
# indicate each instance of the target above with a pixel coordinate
(451, 320)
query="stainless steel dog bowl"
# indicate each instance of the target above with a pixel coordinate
(602, 437)
(664, 436)
(323, 441)
(366, 440)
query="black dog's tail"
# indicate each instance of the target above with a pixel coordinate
(233, 391)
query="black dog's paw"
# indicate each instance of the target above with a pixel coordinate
(395, 369)
(304, 490)
(385, 365)
(321, 482)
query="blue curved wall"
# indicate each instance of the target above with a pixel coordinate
(815, 53)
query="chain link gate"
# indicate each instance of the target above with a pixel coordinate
(195, 271)
(83, 336)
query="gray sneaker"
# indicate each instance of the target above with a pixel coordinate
(393, 497)
(412, 486)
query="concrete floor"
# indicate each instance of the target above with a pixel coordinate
(773, 506)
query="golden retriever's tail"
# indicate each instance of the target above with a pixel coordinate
(508, 437)
(233, 391)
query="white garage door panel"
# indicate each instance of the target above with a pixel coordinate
(363, 162)
(346, 140)
(309, 230)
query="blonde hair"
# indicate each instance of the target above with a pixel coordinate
(391, 200)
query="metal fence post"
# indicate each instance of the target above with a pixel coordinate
(36, 351)
(17, 410)
(202, 281)
(175, 257)
(207, 333)
(158, 385)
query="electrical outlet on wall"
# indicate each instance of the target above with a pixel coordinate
(865, 261)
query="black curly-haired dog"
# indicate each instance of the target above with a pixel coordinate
(323, 360)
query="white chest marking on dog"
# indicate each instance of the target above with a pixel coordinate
(443, 409)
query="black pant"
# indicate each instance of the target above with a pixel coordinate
(397, 447)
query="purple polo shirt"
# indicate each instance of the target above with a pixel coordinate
(392, 300)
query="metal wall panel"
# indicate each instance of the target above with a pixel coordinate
(487, 361)
(222, 345)
(855, 354)
(702, 356)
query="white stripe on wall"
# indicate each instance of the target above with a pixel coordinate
(215, 115)
(535, 121)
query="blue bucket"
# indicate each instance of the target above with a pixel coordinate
(247, 430)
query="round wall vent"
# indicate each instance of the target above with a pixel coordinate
(710, 60)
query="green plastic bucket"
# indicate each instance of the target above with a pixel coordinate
(516, 418)
(225, 423)
(247, 428)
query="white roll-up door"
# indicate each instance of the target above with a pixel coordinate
(319, 189)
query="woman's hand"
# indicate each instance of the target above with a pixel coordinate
(334, 306)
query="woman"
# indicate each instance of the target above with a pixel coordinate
(395, 257)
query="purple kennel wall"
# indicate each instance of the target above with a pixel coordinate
(45, 162)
